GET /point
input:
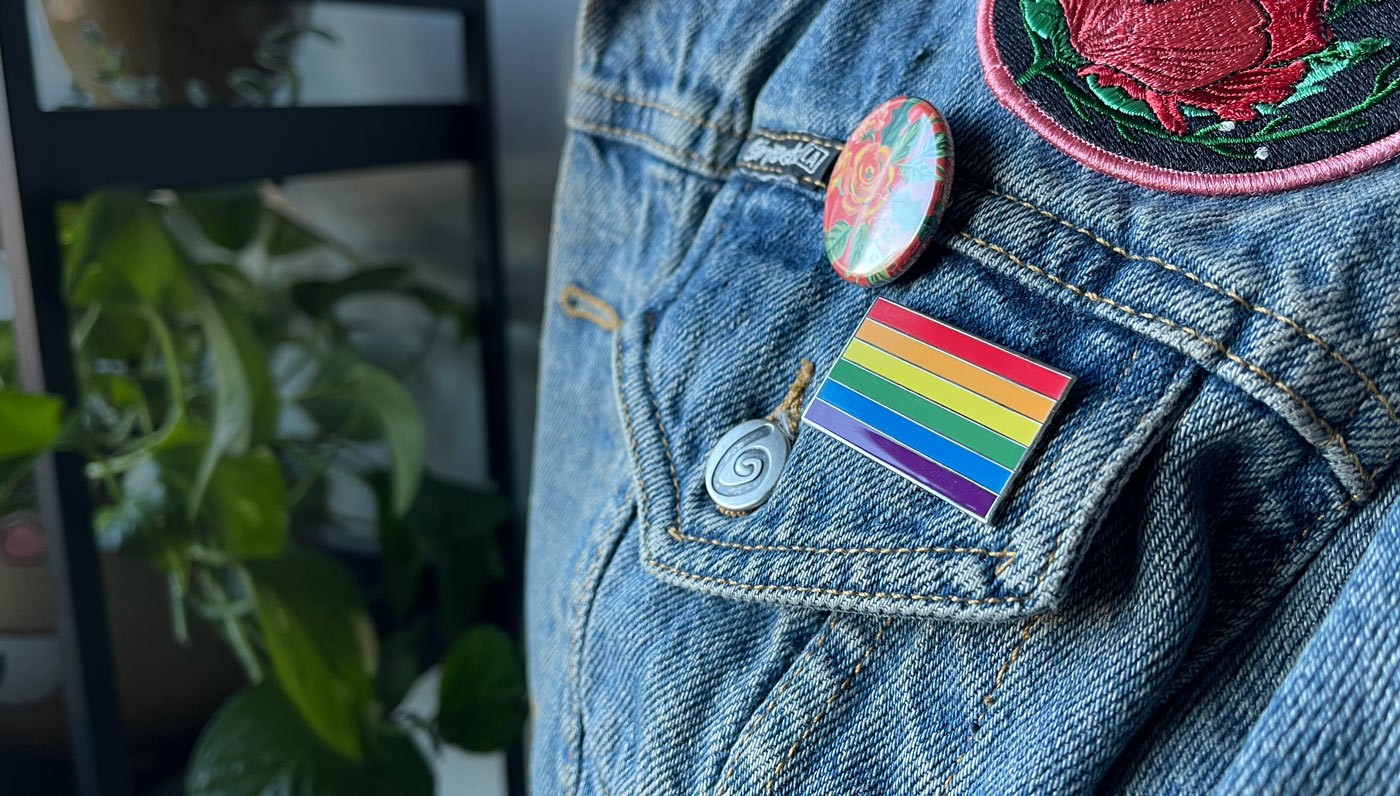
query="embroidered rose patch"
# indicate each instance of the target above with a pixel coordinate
(1203, 96)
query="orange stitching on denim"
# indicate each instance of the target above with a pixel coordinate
(952, 598)
(644, 103)
(579, 303)
(1234, 295)
(1389, 350)
(749, 164)
(821, 714)
(1297, 540)
(685, 537)
(989, 700)
(811, 139)
(782, 687)
(574, 121)
(1331, 432)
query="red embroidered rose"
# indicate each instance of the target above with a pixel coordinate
(1222, 55)
(868, 180)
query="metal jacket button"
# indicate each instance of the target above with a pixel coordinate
(743, 467)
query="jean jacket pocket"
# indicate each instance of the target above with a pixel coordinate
(840, 532)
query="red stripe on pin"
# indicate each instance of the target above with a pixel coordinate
(985, 355)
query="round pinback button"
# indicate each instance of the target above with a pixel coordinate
(888, 190)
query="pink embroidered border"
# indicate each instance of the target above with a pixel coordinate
(1002, 83)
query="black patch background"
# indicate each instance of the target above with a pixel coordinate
(1343, 90)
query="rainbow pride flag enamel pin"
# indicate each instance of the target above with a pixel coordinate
(953, 413)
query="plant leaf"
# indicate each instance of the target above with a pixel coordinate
(353, 385)
(482, 701)
(232, 428)
(232, 286)
(453, 531)
(9, 365)
(252, 356)
(320, 641)
(403, 429)
(117, 248)
(229, 215)
(30, 423)
(904, 143)
(919, 169)
(398, 666)
(257, 745)
(247, 504)
(439, 304)
(342, 415)
(403, 548)
(859, 239)
(397, 767)
(462, 525)
(1343, 125)
(119, 332)
(318, 297)
(1340, 9)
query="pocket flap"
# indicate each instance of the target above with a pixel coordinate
(839, 531)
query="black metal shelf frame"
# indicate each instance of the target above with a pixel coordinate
(48, 156)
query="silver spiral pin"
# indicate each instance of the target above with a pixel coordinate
(744, 466)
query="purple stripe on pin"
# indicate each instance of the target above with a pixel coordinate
(940, 480)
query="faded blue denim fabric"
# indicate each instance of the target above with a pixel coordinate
(1186, 582)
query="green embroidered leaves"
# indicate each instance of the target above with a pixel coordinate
(1148, 68)
(1325, 64)
(1203, 96)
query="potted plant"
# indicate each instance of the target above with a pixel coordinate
(216, 392)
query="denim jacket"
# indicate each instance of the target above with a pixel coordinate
(1190, 588)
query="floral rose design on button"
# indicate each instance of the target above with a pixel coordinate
(1203, 96)
(888, 191)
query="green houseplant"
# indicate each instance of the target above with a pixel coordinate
(216, 392)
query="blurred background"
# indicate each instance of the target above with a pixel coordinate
(271, 283)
